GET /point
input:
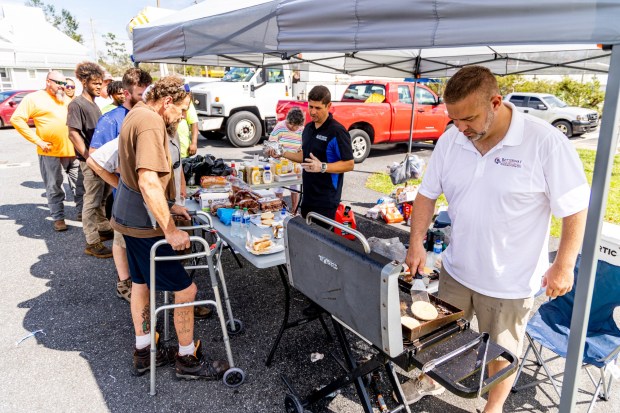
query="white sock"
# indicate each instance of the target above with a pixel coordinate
(143, 341)
(187, 350)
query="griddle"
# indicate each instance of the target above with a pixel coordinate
(361, 290)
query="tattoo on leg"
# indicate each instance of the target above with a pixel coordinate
(146, 319)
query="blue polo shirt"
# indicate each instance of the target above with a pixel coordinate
(108, 127)
(329, 143)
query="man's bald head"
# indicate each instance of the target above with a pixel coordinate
(55, 84)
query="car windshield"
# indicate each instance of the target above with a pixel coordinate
(5, 95)
(239, 74)
(554, 102)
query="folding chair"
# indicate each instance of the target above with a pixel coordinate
(550, 327)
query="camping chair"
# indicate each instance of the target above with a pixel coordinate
(550, 327)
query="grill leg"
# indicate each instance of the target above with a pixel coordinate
(389, 367)
(352, 364)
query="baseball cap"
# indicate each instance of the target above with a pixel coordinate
(107, 76)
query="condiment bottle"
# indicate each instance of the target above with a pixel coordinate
(256, 176)
(267, 178)
(278, 168)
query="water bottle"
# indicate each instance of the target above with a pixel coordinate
(235, 223)
(245, 227)
(437, 249)
(192, 180)
(282, 214)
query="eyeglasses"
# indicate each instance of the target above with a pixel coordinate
(59, 82)
(69, 87)
(185, 87)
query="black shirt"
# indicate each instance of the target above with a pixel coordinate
(329, 143)
(83, 116)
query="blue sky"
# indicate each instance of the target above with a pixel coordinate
(107, 15)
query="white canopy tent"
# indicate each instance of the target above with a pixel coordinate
(418, 37)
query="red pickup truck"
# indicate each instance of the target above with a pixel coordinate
(377, 112)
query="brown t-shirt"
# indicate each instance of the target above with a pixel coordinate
(143, 144)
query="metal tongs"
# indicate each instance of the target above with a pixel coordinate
(482, 342)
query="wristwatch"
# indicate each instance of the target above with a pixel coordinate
(323, 167)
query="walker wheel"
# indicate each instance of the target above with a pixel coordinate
(234, 377)
(292, 404)
(238, 325)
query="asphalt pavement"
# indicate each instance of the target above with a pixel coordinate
(77, 335)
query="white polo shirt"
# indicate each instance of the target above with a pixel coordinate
(500, 204)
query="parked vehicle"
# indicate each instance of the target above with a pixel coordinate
(242, 104)
(570, 120)
(9, 100)
(376, 112)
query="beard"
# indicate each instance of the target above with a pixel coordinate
(60, 94)
(478, 136)
(171, 129)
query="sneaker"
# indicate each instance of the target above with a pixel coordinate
(98, 250)
(415, 389)
(199, 367)
(123, 289)
(60, 225)
(106, 235)
(202, 312)
(142, 358)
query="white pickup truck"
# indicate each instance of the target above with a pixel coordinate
(570, 120)
(242, 105)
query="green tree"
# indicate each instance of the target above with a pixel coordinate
(63, 21)
(116, 60)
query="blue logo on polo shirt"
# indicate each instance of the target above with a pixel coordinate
(513, 163)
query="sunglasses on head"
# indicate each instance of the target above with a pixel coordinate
(69, 87)
(59, 82)
(185, 87)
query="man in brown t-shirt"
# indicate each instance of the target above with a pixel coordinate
(142, 212)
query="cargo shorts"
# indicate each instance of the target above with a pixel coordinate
(504, 319)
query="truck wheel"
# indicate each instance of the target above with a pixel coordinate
(565, 127)
(360, 141)
(244, 129)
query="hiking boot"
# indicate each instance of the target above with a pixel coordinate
(415, 389)
(142, 358)
(202, 312)
(106, 235)
(98, 250)
(60, 225)
(123, 289)
(197, 367)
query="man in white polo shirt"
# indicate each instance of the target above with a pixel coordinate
(503, 173)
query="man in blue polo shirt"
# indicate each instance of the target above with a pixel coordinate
(135, 81)
(326, 154)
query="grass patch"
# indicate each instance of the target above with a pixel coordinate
(380, 182)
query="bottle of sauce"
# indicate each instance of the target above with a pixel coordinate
(267, 177)
(255, 176)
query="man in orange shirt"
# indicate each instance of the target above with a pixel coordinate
(48, 110)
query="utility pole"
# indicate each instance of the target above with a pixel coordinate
(92, 30)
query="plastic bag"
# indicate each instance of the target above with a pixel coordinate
(390, 248)
(410, 168)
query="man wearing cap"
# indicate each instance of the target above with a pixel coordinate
(48, 109)
(104, 99)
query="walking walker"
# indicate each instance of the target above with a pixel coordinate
(234, 376)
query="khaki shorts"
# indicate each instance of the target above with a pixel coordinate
(504, 319)
(119, 239)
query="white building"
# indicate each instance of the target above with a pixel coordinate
(30, 47)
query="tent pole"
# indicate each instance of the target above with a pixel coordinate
(415, 84)
(607, 142)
